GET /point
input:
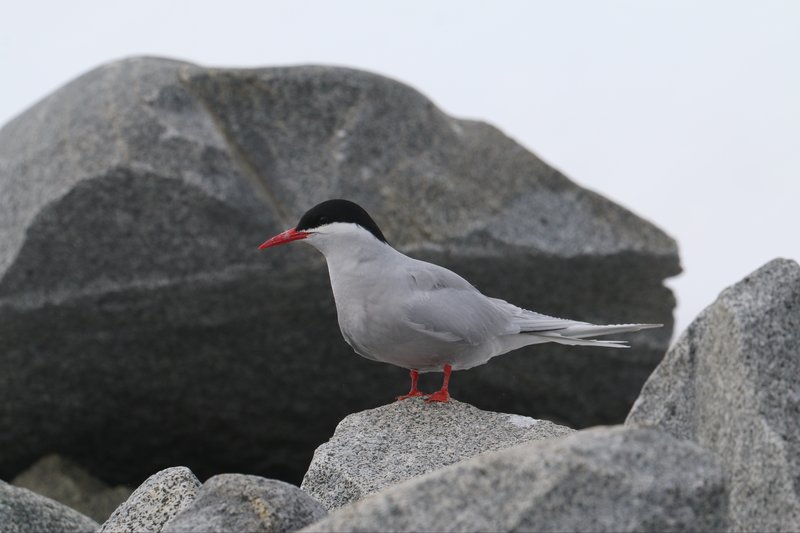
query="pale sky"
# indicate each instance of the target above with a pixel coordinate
(686, 112)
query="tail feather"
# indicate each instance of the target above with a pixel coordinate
(538, 328)
(573, 341)
(590, 330)
(576, 335)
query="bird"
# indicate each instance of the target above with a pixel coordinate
(395, 309)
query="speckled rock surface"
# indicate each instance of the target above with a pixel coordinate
(162, 496)
(732, 384)
(238, 502)
(601, 479)
(132, 202)
(24, 511)
(374, 449)
(68, 483)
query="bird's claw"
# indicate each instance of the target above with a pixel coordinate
(439, 396)
(411, 394)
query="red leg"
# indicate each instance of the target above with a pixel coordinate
(414, 390)
(442, 395)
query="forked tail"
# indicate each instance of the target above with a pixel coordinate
(576, 335)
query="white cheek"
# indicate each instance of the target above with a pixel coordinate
(338, 228)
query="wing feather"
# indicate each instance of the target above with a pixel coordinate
(531, 321)
(445, 306)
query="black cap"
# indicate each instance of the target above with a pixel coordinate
(331, 211)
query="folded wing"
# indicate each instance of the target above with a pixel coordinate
(445, 306)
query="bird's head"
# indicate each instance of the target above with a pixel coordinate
(331, 223)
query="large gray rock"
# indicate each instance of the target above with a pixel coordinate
(602, 479)
(161, 497)
(66, 482)
(238, 502)
(732, 384)
(132, 202)
(374, 449)
(24, 511)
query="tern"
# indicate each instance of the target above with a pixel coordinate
(420, 316)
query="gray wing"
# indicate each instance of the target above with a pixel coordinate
(445, 306)
(530, 321)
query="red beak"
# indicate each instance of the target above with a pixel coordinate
(287, 236)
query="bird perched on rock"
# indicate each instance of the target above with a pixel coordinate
(417, 315)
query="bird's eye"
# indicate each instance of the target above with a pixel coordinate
(324, 220)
